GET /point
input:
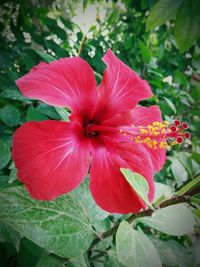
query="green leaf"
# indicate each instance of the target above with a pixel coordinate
(34, 115)
(187, 24)
(64, 114)
(13, 93)
(79, 261)
(10, 115)
(174, 220)
(162, 11)
(49, 261)
(29, 253)
(46, 57)
(170, 104)
(162, 192)
(138, 183)
(5, 154)
(186, 162)
(146, 53)
(83, 196)
(179, 171)
(58, 226)
(8, 234)
(134, 249)
(188, 186)
(172, 253)
(53, 26)
(113, 260)
(13, 175)
(48, 111)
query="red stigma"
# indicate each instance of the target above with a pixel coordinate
(187, 135)
(173, 128)
(177, 122)
(177, 131)
(179, 139)
(185, 125)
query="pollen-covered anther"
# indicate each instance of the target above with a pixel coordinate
(157, 134)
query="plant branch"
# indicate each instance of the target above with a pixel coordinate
(84, 38)
(176, 199)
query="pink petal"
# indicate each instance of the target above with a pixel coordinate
(121, 87)
(107, 184)
(51, 157)
(142, 116)
(68, 82)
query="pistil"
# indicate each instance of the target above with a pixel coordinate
(158, 134)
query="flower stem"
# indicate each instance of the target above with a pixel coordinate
(186, 197)
(84, 38)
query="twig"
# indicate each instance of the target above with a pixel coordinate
(169, 202)
(84, 38)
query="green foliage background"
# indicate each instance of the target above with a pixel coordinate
(149, 36)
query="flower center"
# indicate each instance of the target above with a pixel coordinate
(88, 129)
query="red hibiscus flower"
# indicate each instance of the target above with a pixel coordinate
(107, 131)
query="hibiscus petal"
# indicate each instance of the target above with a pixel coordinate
(51, 158)
(142, 116)
(121, 86)
(68, 82)
(108, 186)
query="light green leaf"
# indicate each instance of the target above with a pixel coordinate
(83, 196)
(5, 154)
(186, 162)
(179, 171)
(58, 226)
(188, 186)
(138, 183)
(187, 24)
(170, 104)
(174, 220)
(79, 261)
(64, 114)
(162, 11)
(113, 260)
(13, 175)
(10, 115)
(134, 249)
(49, 261)
(172, 253)
(162, 192)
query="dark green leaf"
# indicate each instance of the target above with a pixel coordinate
(187, 24)
(5, 154)
(162, 11)
(10, 115)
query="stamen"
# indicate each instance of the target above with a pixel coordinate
(157, 134)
